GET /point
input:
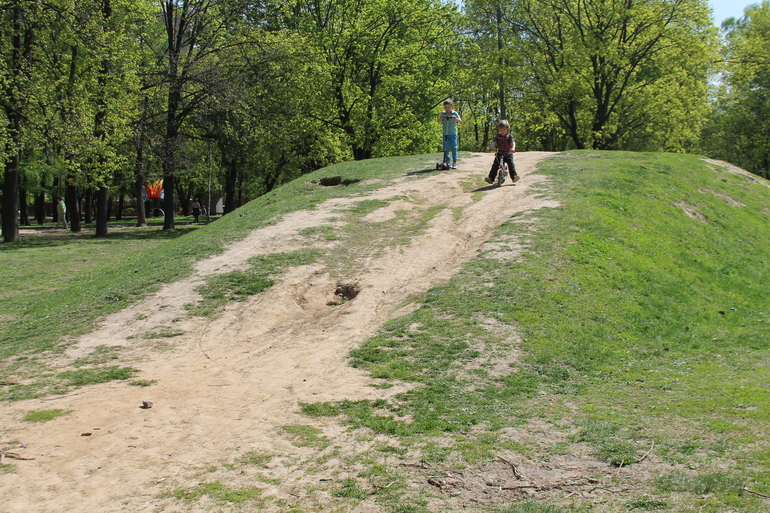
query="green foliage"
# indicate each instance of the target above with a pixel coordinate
(604, 75)
(384, 69)
(490, 77)
(294, 87)
(619, 75)
(738, 131)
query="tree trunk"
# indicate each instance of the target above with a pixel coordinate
(168, 199)
(89, 201)
(40, 208)
(139, 191)
(175, 41)
(23, 207)
(500, 67)
(73, 208)
(361, 153)
(11, 199)
(573, 126)
(102, 211)
(231, 175)
(12, 106)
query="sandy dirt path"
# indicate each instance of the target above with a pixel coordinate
(227, 387)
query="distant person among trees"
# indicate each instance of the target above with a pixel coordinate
(449, 119)
(61, 213)
(505, 145)
(196, 210)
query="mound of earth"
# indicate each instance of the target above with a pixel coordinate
(228, 388)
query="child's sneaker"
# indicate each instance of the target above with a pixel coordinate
(515, 178)
(454, 166)
(487, 179)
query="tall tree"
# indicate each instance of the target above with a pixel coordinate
(266, 126)
(739, 128)
(22, 22)
(615, 72)
(106, 28)
(195, 31)
(385, 64)
(490, 78)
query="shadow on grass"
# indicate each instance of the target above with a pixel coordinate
(50, 237)
(423, 171)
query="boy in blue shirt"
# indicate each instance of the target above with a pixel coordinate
(449, 119)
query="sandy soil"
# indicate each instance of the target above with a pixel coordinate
(228, 387)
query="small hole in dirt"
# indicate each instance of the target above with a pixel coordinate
(347, 291)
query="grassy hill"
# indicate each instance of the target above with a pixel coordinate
(633, 329)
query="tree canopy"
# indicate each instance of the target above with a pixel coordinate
(739, 126)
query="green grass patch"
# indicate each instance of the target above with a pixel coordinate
(712, 482)
(58, 286)
(532, 506)
(142, 382)
(306, 436)
(349, 488)
(44, 415)
(83, 377)
(239, 285)
(100, 355)
(163, 333)
(320, 409)
(218, 493)
(255, 459)
(646, 503)
(642, 300)
(634, 323)
(324, 232)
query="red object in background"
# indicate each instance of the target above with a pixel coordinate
(154, 189)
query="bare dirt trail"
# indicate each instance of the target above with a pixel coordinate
(227, 387)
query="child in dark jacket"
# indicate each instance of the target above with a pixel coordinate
(505, 145)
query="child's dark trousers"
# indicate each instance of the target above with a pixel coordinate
(511, 167)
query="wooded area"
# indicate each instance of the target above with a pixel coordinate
(100, 97)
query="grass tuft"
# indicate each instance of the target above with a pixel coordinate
(44, 415)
